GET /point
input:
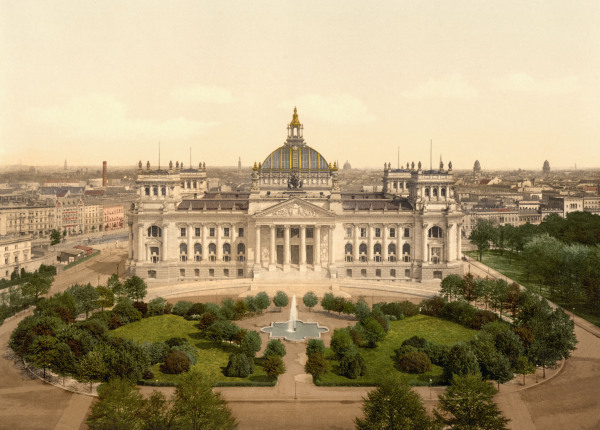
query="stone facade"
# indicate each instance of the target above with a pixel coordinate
(295, 223)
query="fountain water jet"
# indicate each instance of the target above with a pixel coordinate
(294, 329)
(293, 315)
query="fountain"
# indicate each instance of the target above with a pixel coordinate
(294, 329)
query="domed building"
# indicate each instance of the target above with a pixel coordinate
(295, 223)
(347, 165)
(546, 167)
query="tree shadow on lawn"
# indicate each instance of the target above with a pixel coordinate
(225, 347)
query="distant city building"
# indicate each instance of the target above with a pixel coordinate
(113, 217)
(296, 223)
(546, 167)
(347, 165)
(240, 164)
(16, 255)
(476, 168)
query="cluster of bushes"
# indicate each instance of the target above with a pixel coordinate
(458, 311)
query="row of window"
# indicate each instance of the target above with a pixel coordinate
(156, 231)
(211, 273)
(363, 231)
(437, 274)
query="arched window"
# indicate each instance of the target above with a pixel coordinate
(362, 250)
(443, 192)
(392, 252)
(435, 232)
(183, 251)
(226, 252)
(435, 192)
(406, 252)
(147, 191)
(154, 254)
(377, 251)
(348, 251)
(426, 192)
(212, 250)
(154, 231)
(197, 252)
(241, 250)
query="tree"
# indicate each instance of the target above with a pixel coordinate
(316, 364)
(55, 237)
(275, 347)
(280, 300)
(157, 306)
(273, 365)
(155, 413)
(64, 361)
(116, 285)
(372, 331)
(135, 288)
(221, 330)
(481, 235)
(118, 404)
(91, 368)
(36, 285)
(327, 302)
(468, 403)
(393, 405)
(451, 286)
(340, 342)
(239, 365)
(361, 310)
(460, 360)
(197, 407)
(262, 301)
(43, 351)
(175, 363)
(499, 294)
(106, 297)
(315, 345)
(524, 367)
(85, 296)
(251, 344)
(469, 291)
(310, 300)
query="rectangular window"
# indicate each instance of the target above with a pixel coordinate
(151, 274)
(437, 274)
(183, 232)
(392, 232)
(211, 232)
(182, 273)
(240, 232)
(155, 191)
(377, 232)
(211, 273)
(363, 232)
(378, 273)
(163, 191)
(294, 232)
(393, 273)
(348, 231)
(197, 231)
(407, 232)
(349, 273)
(363, 273)
(226, 273)
(310, 233)
(147, 191)
(279, 233)
(226, 231)
(196, 272)
(407, 273)
(240, 273)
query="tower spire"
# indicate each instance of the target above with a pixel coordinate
(295, 120)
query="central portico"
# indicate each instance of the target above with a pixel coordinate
(294, 236)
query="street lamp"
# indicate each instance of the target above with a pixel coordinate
(430, 381)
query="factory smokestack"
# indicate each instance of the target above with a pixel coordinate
(104, 175)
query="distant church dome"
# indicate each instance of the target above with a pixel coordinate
(347, 165)
(476, 167)
(546, 168)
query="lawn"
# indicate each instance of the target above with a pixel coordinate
(380, 361)
(212, 356)
(517, 271)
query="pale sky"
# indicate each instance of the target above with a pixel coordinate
(510, 83)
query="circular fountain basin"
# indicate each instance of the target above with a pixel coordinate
(302, 330)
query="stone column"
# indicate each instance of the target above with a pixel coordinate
(450, 242)
(130, 242)
(190, 246)
(424, 234)
(257, 246)
(272, 248)
(204, 242)
(399, 235)
(384, 246)
(355, 244)
(165, 247)
(219, 243)
(302, 247)
(140, 244)
(370, 243)
(286, 247)
(458, 241)
(330, 250)
(317, 248)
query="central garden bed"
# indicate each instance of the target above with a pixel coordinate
(380, 360)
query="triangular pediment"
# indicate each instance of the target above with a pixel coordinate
(294, 208)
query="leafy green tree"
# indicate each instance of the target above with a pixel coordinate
(175, 363)
(197, 407)
(118, 404)
(460, 360)
(481, 236)
(316, 364)
(43, 351)
(222, 330)
(327, 302)
(91, 368)
(106, 297)
(499, 295)
(315, 345)
(55, 237)
(352, 364)
(227, 309)
(239, 365)
(393, 405)
(468, 403)
(469, 291)
(280, 300)
(262, 301)
(310, 300)
(251, 343)
(273, 365)
(155, 413)
(135, 288)
(275, 347)
(339, 304)
(524, 367)
(362, 310)
(86, 297)
(157, 306)
(116, 285)
(451, 286)
(36, 285)
(340, 342)
(372, 331)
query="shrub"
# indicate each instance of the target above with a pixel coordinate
(176, 341)
(316, 364)
(482, 318)
(148, 375)
(403, 350)
(126, 311)
(188, 350)
(251, 344)
(156, 352)
(433, 307)
(115, 322)
(314, 346)
(206, 320)
(196, 309)
(241, 309)
(372, 330)
(227, 309)
(392, 309)
(416, 341)
(273, 365)
(142, 308)
(436, 352)
(96, 328)
(239, 365)
(340, 342)
(415, 362)
(157, 306)
(356, 335)
(409, 309)
(175, 363)
(181, 308)
(353, 365)
(460, 312)
(460, 360)
(274, 347)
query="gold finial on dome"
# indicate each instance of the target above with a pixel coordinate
(295, 122)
